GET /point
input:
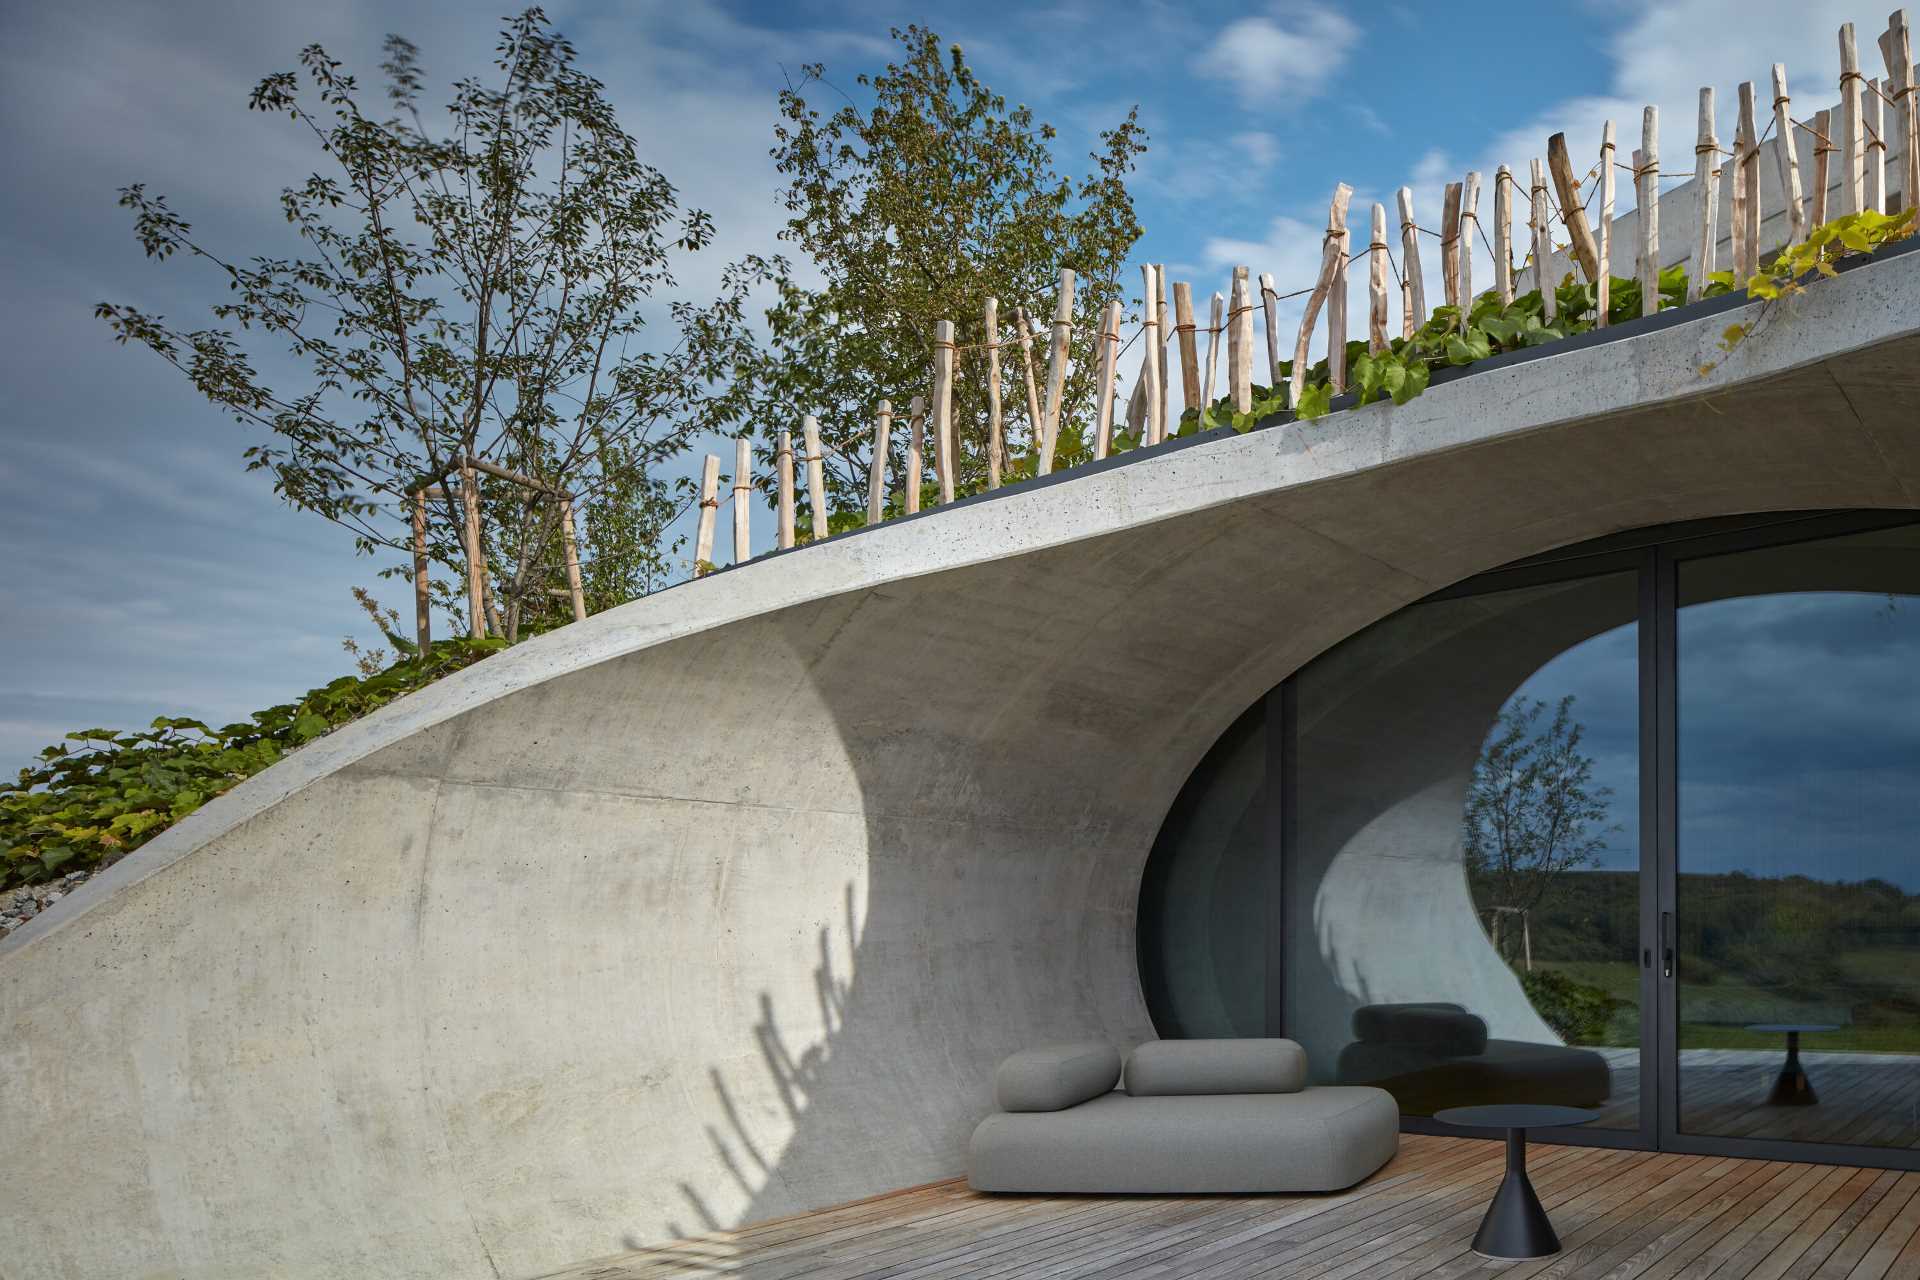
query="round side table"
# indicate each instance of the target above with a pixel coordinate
(1791, 1088)
(1516, 1226)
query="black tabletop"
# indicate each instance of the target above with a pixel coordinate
(1775, 1028)
(1518, 1116)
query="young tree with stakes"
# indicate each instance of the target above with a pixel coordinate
(914, 210)
(501, 291)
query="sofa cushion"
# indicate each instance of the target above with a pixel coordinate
(1055, 1076)
(1169, 1067)
(1445, 1029)
(1320, 1139)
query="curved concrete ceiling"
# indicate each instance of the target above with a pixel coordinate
(724, 904)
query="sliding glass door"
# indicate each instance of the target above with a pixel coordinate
(1633, 827)
(1793, 898)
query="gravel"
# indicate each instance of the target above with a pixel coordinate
(17, 906)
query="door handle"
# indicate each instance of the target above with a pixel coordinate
(1666, 944)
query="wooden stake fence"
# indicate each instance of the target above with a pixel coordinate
(882, 451)
(1706, 154)
(1538, 224)
(422, 614)
(1903, 86)
(1469, 224)
(476, 556)
(996, 422)
(1647, 189)
(1876, 147)
(1786, 153)
(916, 447)
(1056, 374)
(1240, 343)
(1412, 281)
(1823, 150)
(783, 472)
(816, 474)
(709, 512)
(943, 442)
(1502, 234)
(1189, 348)
(1450, 245)
(1377, 281)
(1853, 156)
(1747, 145)
(1149, 355)
(1572, 214)
(1025, 332)
(1109, 356)
(1216, 323)
(1269, 309)
(742, 486)
(1603, 287)
(1333, 253)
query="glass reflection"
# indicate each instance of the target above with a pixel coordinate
(1798, 899)
(1462, 908)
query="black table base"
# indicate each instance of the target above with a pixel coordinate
(1792, 1088)
(1516, 1226)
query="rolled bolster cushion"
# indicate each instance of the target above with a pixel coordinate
(1166, 1067)
(1056, 1076)
(1444, 1028)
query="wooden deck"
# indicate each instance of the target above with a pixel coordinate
(1622, 1215)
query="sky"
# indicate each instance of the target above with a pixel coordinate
(149, 574)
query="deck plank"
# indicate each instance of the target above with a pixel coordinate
(1621, 1215)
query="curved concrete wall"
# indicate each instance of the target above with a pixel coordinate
(723, 904)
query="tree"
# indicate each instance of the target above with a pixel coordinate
(917, 209)
(503, 290)
(1531, 807)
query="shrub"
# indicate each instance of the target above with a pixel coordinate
(88, 805)
(1578, 1012)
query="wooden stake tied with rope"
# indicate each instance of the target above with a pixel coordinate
(1056, 370)
(1748, 136)
(1332, 252)
(1647, 189)
(943, 441)
(1572, 214)
(1823, 150)
(1377, 282)
(1025, 332)
(783, 478)
(1189, 346)
(1903, 85)
(916, 449)
(709, 513)
(1469, 224)
(1240, 343)
(996, 420)
(1411, 276)
(1450, 244)
(1109, 356)
(1706, 154)
(1787, 155)
(1853, 157)
(1216, 325)
(1502, 235)
(1150, 356)
(882, 455)
(1541, 227)
(422, 613)
(1603, 287)
(1270, 321)
(816, 474)
(742, 486)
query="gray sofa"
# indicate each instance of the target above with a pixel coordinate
(1435, 1055)
(1195, 1116)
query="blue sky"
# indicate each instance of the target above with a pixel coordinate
(149, 574)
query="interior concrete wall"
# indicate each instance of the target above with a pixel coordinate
(724, 904)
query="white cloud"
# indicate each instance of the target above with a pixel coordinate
(1288, 57)
(1260, 149)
